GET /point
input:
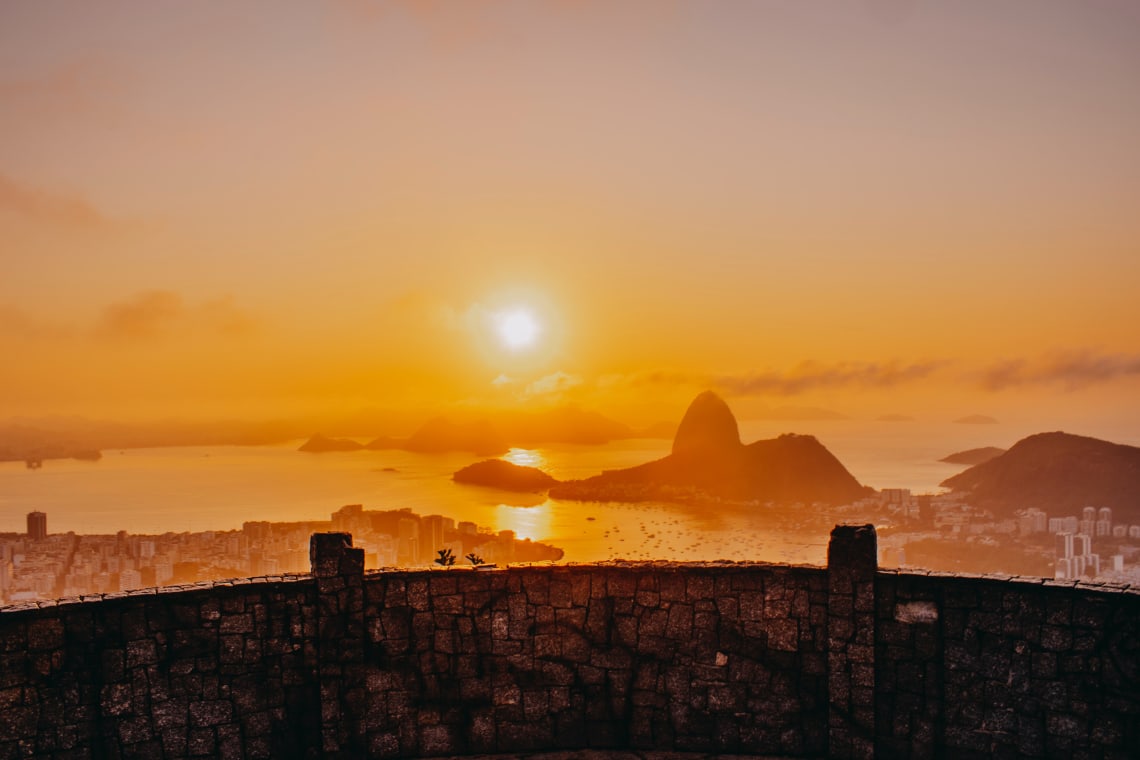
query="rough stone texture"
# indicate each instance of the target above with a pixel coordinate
(208, 671)
(707, 658)
(640, 656)
(1007, 667)
(852, 557)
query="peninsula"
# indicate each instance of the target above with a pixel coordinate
(708, 459)
(1058, 473)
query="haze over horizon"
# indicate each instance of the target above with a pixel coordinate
(889, 207)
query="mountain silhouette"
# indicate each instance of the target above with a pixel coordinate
(505, 430)
(708, 458)
(707, 429)
(319, 444)
(439, 435)
(1059, 473)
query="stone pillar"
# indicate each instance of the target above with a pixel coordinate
(852, 562)
(339, 572)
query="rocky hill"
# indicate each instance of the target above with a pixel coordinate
(495, 436)
(319, 444)
(709, 459)
(1059, 473)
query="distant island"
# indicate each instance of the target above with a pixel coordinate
(498, 473)
(38, 439)
(441, 435)
(973, 456)
(494, 438)
(709, 460)
(1059, 473)
(976, 419)
(318, 444)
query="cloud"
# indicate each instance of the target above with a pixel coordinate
(502, 380)
(557, 382)
(42, 206)
(805, 377)
(156, 314)
(653, 378)
(146, 315)
(1073, 370)
(810, 376)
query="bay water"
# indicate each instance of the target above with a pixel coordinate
(150, 491)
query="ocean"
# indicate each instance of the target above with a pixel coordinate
(202, 488)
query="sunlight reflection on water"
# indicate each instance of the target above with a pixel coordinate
(525, 458)
(534, 523)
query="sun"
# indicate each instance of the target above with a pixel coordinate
(517, 329)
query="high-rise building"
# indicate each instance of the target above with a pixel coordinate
(408, 535)
(1068, 524)
(1064, 544)
(129, 579)
(1104, 521)
(349, 519)
(432, 530)
(1074, 557)
(37, 526)
(1063, 568)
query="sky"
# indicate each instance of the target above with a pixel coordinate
(887, 207)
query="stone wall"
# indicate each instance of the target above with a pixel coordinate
(998, 666)
(647, 656)
(222, 670)
(846, 661)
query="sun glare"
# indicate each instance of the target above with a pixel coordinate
(525, 458)
(517, 329)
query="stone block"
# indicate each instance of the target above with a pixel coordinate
(45, 634)
(210, 713)
(561, 594)
(699, 586)
(620, 585)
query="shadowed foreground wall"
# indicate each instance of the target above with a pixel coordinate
(736, 658)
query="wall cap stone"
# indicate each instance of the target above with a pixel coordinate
(1105, 587)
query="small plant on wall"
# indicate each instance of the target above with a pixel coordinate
(446, 558)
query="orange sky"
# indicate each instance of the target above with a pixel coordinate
(265, 208)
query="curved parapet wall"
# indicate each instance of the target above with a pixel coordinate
(846, 661)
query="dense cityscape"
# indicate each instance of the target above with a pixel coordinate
(916, 530)
(39, 565)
